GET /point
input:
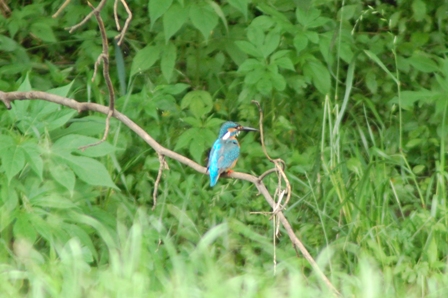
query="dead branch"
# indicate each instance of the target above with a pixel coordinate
(96, 11)
(120, 36)
(104, 56)
(8, 97)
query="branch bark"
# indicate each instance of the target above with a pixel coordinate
(8, 97)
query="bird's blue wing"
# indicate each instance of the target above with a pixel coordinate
(230, 154)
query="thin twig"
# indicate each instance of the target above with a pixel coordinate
(95, 10)
(104, 56)
(61, 8)
(162, 165)
(120, 36)
(279, 163)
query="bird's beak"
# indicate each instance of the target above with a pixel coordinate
(244, 128)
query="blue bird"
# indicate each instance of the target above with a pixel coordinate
(225, 150)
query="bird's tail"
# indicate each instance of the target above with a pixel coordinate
(214, 175)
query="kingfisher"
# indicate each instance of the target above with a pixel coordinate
(225, 151)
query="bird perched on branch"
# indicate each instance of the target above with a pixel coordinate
(225, 150)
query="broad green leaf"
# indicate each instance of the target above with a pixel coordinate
(8, 44)
(43, 31)
(168, 61)
(307, 16)
(13, 159)
(62, 174)
(240, 5)
(173, 19)
(249, 48)
(278, 81)
(5, 143)
(62, 91)
(144, 59)
(250, 64)
(203, 18)
(319, 74)
(23, 228)
(157, 8)
(423, 63)
(419, 9)
(264, 85)
(270, 43)
(32, 156)
(53, 201)
(185, 138)
(300, 41)
(72, 142)
(255, 35)
(254, 76)
(219, 13)
(199, 101)
(285, 62)
(90, 171)
(347, 12)
(176, 88)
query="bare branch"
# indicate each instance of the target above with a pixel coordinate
(95, 10)
(120, 36)
(279, 163)
(162, 165)
(105, 57)
(63, 6)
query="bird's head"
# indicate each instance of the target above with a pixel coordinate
(231, 129)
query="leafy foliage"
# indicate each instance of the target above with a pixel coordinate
(355, 102)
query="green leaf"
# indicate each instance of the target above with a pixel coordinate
(32, 156)
(199, 101)
(157, 8)
(144, 59)
(419, 10)
(307, 16)
(62, 91)
(219, 13)
(319, 74)
(13, 159)
(203, 18)
(168, 61)
(249, 48)
(23, 228)
(423, 63)
(90, 171)
(285, 62)
(300, 41)
(53, 201)
(250, 65)
(278, 81)
(173, 20)
(62, 174)
(72, 142)
(43, 31)
(185, 138)
(264, 85)
(271, 42)
(375, 59)
(240, 5)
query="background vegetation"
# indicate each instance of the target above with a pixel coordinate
(355, 101)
